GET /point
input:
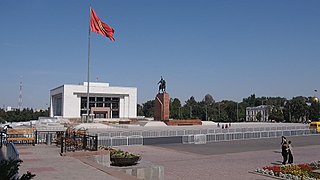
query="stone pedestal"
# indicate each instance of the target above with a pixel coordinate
(161, 107)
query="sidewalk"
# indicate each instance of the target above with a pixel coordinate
(212, 161)
(46, 162)
(206, 162)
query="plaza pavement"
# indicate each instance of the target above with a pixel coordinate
(231, 160)
(46, 162)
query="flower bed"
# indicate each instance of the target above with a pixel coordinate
(121, 158)
(295, 172)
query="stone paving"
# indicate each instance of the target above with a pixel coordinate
(47, 164)
(185, 165)
(180, 162)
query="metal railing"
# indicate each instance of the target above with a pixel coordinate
(120, 140)
(217, 137)
(78, 143)
(184, 132)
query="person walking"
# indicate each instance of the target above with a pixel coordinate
(290, 153)
(284, 152)
(283, 139)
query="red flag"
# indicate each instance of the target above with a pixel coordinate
(96, 25)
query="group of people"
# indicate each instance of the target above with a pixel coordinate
(286, 151)
(224, 126)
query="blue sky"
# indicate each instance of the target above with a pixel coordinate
(227, 48)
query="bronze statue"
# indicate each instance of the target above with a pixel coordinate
(162, 86)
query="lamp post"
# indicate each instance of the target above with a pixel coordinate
(206, 113)
(317, 101)
(237, 112)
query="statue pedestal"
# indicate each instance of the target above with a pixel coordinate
(161, 107)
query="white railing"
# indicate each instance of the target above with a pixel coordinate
(119, 140)
(185, 132)
(190, 139)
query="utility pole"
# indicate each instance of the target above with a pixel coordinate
(237, 112)
(20, 96)
(206, 113)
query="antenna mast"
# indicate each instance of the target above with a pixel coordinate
(20, 96)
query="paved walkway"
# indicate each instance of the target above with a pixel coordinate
(212, 161)
(189, 162)
(46, 162)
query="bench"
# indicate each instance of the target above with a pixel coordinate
(21, 135)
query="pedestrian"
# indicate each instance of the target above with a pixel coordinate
(218, 124)
(283, 139)
(290, 153)
(284, 152)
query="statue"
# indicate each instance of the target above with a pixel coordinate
(162, 85)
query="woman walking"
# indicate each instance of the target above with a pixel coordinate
(284, 152)
(290, 161)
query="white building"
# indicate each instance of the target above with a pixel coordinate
(70, 101)
(252, 112)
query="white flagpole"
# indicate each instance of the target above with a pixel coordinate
(88, 75)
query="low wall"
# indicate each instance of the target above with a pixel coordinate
(162, 140)
(143, 170)
(184, 122)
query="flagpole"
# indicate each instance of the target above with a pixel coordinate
(88, 75)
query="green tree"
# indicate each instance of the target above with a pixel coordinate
(175, 108)
(10, 169)
(296, 109)
(250, 101)
(148, 108)
(140, 110)
(276, 114)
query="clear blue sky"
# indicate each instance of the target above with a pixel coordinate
(227, 48)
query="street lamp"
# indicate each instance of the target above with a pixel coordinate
(206, 113)
(237, 112)
(316, 99)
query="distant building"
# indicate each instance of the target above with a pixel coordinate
(70, 101)
(252, 112)
(9, 108)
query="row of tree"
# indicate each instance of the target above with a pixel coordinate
(297, 109)
(26, 114)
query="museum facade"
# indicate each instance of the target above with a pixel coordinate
(107, 102)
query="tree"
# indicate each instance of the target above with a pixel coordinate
(250, 101)
(10, 169)
(314, 109)
(140, 110)
(296, 109)
(276, 114)
(190, 108)
(148, 108)
(175, 108)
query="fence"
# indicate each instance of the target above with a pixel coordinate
(177, 131)
(79, 143)
(48, 137)
(199, 139)
(119, 140)
(200, 136)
